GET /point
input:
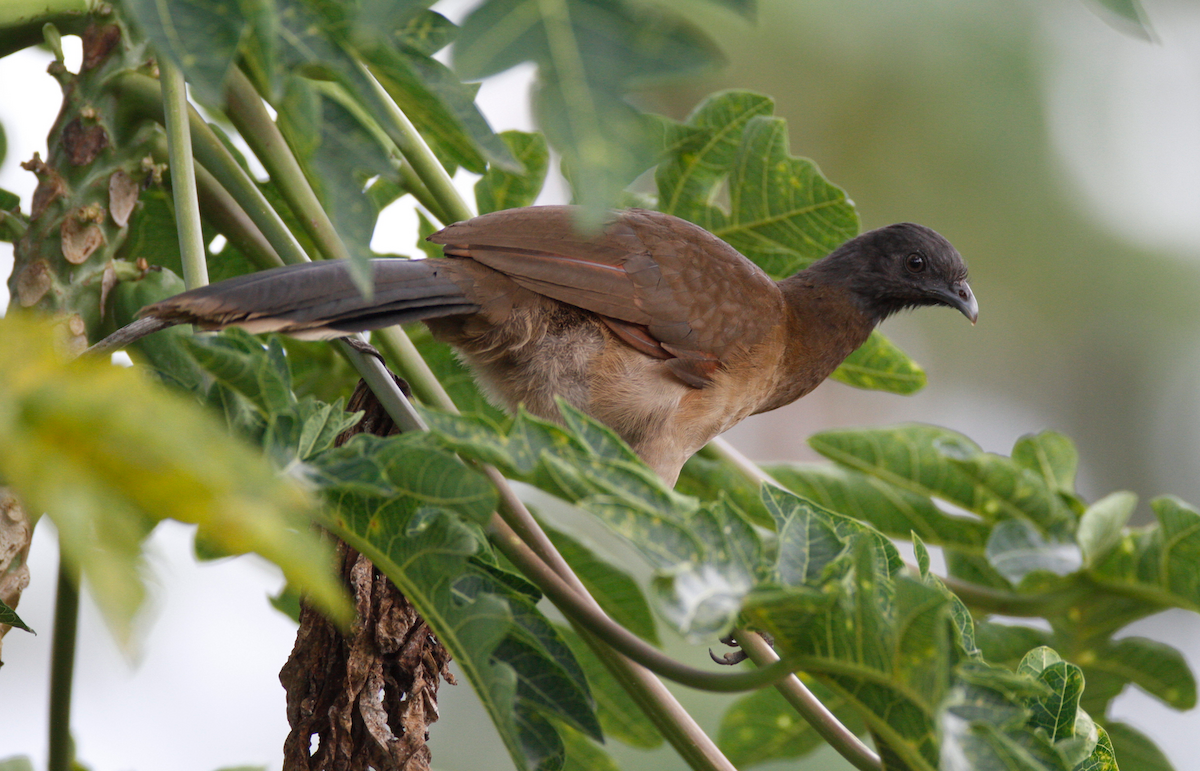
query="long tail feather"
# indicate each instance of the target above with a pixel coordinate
(319, 300)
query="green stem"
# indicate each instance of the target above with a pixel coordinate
(183, 174)
(399, 349)
(140, 93)
(593, 619)
(810, 707)
(988, 600)
(409, 179)
(62, 666)
(254, 123)
(380, 381)
(223, 213)
(413, 147)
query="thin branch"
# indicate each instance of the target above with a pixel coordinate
(810, 707)
(62, 666)
(183, 175)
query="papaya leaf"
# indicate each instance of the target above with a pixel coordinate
(706, 555)
(1101, 526)
(589, 53)
(938, 462)
(892, 509)
(499, 189)
(620, 716)
(108, 455)
(201, 36)
(1156, 668)
(616, 592)
(1159, 563)
(1050, 454)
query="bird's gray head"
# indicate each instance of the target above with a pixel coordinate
(901, 266)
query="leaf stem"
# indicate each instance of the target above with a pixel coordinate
(810, 707)
(62, 666)
(183, 175)
(595, 621)
(414, 148)
(140, 91)
(245, 109)
(989, 600)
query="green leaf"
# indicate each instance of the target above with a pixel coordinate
(108, 455)
(706, 555)
(1138, 752)
(616, 592)
(10, 617)
(874, 637)
(549, 680)
(499, 189)
(238, 360)
(1056, 713)
(518, 665)
(879, 365)
(589, 54)
(938, 462)
(339, 155)
(782, 213)
(1050, 454)
(16, 763)
(893, 510)
(1160, 564)
(1156, 668)
(406, 465)
(200, 36)
(620, 716)
(1102, 524)
(1016, 548)
(762, 727)
(583, 754)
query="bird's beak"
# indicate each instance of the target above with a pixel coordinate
(959, 295)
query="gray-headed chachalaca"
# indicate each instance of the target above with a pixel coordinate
(655, 326)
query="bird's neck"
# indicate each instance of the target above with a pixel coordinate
(824, 325)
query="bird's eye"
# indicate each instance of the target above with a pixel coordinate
(915, 263)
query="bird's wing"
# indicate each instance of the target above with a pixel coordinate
(664, 285)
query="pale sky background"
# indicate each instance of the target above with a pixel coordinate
(203, 692)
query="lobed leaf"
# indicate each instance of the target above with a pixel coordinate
(894, 510)
(108, 455)
(589, 53)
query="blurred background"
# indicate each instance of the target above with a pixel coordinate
(1059, 155)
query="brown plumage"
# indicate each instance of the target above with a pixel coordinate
(655, 326)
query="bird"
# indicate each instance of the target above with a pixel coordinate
(653, 326)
